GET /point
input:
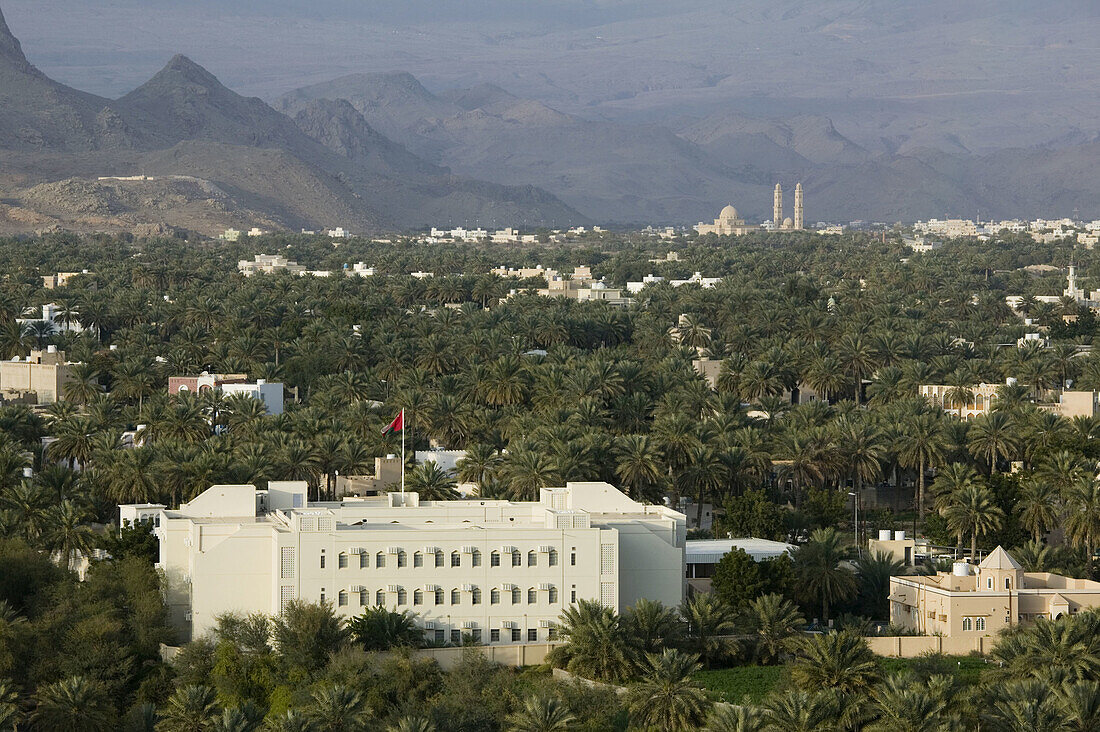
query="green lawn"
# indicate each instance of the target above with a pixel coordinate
(734, 684)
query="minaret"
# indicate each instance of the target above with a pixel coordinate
(777, 207)
(798, 216)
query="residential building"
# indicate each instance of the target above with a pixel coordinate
(43, 373)
(269, 393)
(52, 316)
(971, 402)
(60, 279)
(230, 235)
(1072, 404)
(338, 233)
(386, 476)
(499, 571)
(703, 555)
(361, 269)
(267, 264)
(985, 599)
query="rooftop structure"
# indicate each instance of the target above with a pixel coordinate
(703, 555)
(501, 571)
(42, 373)
(728, 223)
(268, 263)
(271, 394)
(995, 594)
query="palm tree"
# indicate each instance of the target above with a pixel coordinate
(338, 709)
(1083, 516)
(412, 723)
(190, 709)
(432, 482)
(839, 662)
(541, 714)
(83, 385)
(710, 622)
(654, 626)
(802, 711)
(874, 580)
(993, 437)
(951, 479)
(730, 718)
(637, 464)
(10, 714)
(76, 703)
(597, 643)
(67, 535)
(776, 622)
(903, 705)
(527, 472)
(667, 698)
(1038, 506)
(821, 575)
(1024, 706)
(922, 444)
(1080, 702)
(973, 510)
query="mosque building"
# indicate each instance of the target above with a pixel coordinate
(729, 223)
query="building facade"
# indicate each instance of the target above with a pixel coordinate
(499, 571)
(44, 373)
(985, 599)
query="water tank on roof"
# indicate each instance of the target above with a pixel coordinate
(960, 569)
(51, 349)
(1011, 381)
(899, 536)
(884, 534)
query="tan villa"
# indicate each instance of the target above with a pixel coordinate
(982, 600)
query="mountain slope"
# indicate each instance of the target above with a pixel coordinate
(38, 113)
(326, 167)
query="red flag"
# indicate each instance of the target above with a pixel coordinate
(397, 425)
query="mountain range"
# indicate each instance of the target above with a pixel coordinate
(380, 150)
(211, 158)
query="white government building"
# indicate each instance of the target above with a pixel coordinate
(500, 571)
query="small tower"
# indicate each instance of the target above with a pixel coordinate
(777, 207)
(799, 218)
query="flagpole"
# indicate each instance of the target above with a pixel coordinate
(402, 452)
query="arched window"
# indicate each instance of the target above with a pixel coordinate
(517, 559)
(439, 596)
(402, 559)
(402, 596)
(553, 595)
(532, 559)
(552, 558)
(1008, 583)
(989, 583)
(418, 597)
(418, 559)
(494, 596)
(532, 596)
(380, 598)
(517, 596)
(456, 597)
(475, 558)
(979, 402)
(456, 559)
(968, 624)
(379, 560)
(342, 561)
(475, 596)
(439, 557)
(494, 559)
(364, 560)
(363, 598)
(342, 598)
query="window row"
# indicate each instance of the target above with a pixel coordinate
(975, 623)
(438, 596)
(515, 635)
(439, 559)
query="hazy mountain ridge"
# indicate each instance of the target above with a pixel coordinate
(269, 168)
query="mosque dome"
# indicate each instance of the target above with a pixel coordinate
(788, 223)
(728, 213)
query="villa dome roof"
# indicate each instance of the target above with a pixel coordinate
(729, 212)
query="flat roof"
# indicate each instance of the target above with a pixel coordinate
(711, 551)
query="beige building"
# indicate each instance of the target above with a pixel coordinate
(979, 402)
(728, 223)
(984, 599)
(779, 223)
(500, 571)
(268, 263)
(44, 373)
(60, 279)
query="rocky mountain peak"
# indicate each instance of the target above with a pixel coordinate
(10, 50)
